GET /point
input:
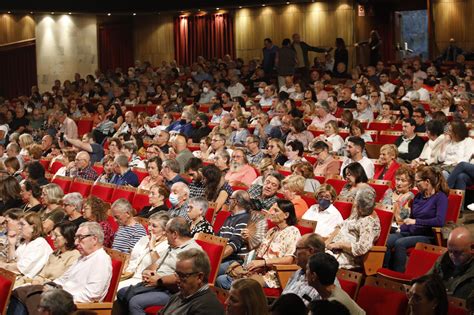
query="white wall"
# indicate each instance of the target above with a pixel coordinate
(65, 44)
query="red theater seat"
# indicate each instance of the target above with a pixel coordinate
(380, 296)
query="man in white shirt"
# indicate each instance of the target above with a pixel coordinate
(418, 73)
(126, 126)
(267, 98)
(289, 87)
(363, 111)
(418, 87)
(385, 86)
(355, 147)
(235, 88)
(67, 125)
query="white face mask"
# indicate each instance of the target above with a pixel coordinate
(261, 90)
(205, 89)
(174, 199)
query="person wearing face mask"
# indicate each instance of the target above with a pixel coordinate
(324, 212)
(183, 125)
(456, 266)
(201, 129)
(207, 93)
(179, 196)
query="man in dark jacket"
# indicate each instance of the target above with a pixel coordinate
(302, 49)
(286, 62)
(409, 144)
(194, 297)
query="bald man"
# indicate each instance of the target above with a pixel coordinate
(456, 266)
(82, 167)
(127, 125)
(181, 151)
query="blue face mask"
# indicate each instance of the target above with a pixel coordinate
(174, 199)
(324, 203)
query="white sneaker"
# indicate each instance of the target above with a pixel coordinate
(471, 207)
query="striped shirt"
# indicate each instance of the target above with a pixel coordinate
(127, 236)
(231, 230)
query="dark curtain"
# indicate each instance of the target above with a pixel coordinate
(210, 36)
(115, 47)
(17, 69)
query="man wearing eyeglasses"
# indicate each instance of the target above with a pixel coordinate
(81, 167)
(194, 296)
(87, 280)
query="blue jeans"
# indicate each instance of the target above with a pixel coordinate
(399, 243)
(462, 176)
(224, 281)
(138, 303)
(16, 307)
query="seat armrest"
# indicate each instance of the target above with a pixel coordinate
(94, 306)
(373, 260)
(284, 273)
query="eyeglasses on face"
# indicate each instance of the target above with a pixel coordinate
(184, 275)
(80, 238)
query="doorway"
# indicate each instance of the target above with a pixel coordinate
(412, 34)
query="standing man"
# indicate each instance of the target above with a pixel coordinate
(301, 49)
(286, 62)
(270, 57)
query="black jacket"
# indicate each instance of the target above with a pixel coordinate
(204, 302)
(305, 48)
(414, 148)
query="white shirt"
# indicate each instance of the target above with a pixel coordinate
(422, 92)
(457, 152)
(387, 87)
(288, 90)
(236, 90)
(217, 118)
(32, 257)
(366, 163)
(89, 278)
(266, 102)
(336, 141)
(327, 219)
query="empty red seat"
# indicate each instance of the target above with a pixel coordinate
(344, 207)
(379, 296)
(380, 187)
(338, 184)
(103, 191)
(81, 186)
(98, 167)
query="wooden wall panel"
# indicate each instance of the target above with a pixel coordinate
(154, 39)
(318, 24)
(14, 28)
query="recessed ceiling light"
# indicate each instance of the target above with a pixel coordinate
(70, 13)
(134, 14)
(288, 2)
(263, 5)
(240, 7)
(217, 9)
(31, 12)
(9, 12)
(109, 14)
(52, 13)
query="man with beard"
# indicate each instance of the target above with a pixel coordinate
(265, 196)
(193, 170)
(240, 171)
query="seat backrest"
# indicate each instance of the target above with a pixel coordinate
(98, 167)
(387, 136)
(141, 199)
(455, 202)
(338, 184)
(118, 262)
(103, 191)
(210, 215)
(123, 192)
(375, 125)
(144, 222)
(380, 296)
(385, 218)
(113, 224)
(55, 167)
(350, 281)
(221, 294)
(84, 126)
(140, 172)
(380, 187)
(420, 262)
(81, 186)
(457, 306)
(309, 199)
(344, 207)
(306, 226)
(45, 162)
(63, 182)
(221, 216)
(214, 247)
(7, 280)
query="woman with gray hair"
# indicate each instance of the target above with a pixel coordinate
(147, 250)
(72, 204)
(354, 237)
(197, 208)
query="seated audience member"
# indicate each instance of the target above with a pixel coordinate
(456, 266)
(246, 296)
(294, 152)
(60, 260)
(123, 174)
(427, 295)
(82, 168)
(130, 149)
(30, 194)
(33, 250)
(306, 246)
(282, 131)
(346, 100)
(89, 145)
(58, 302)
(204, 145)
(240, 171)
(356, 129)
(13, 150)
(292, 187)
(324, 212)
(428, 210)
(321, 275)
(11, 221)
(263, 128)
(69, 163)
(435, 145)
(147, 250)
(52, 210)
(327, 307)
(265, 166)
(197, 208)
(355, 236)
(419, 116)
(95, 210)
(236, 248)
(355, 148)
(130, 231)
(12, 166)
(222, 160)
(276, 151)
(215, 187)
(460, 147)
(277, 247)
(159, 278)
(201, 130)
(298, 132)
(194, 297)
(323, 115)
(108, 172)
(85, 286)
(254, 155)
(153, 167)
(305, 169)
(400, 197)
(386, 114)
(409, 144)
(9, 193)
(115, 147)
(332, 138)
(461, 176)
(325, 165)
(170, 171)
(67, 126)
(156, 196)
(179, 197)
(363, 110)
(72, 204)
(288, 304)
(264, 196)
(388, 159)
(218, 113)
(240, 131)
(36, 173)
(355, 179)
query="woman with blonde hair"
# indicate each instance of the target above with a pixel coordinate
(388, 159)
(306, 170)
(246, 296)
(276, 151)
(292, 187)
(266, 165)
(331, 137)
(52, 212)
(24, 141)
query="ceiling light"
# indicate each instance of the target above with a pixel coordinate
(69, 13)
(263, 5)
(52, 13)
(217, 9)
(9, 12)
(109, 14)
(240, 7)
(288, 2)
(134, 14)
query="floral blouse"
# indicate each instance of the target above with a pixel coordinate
(202, 227)
(277, 244)
(361, 233)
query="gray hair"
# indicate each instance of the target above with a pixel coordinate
(74, 199)
(200, 261)
(130, 146)
(162, 217)
(185, 187)
(94, 229)
(200, 203)
(57, 302)
(123, 205)
(172, 164)
(180, 226)
(121, 160)
(365, 200)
